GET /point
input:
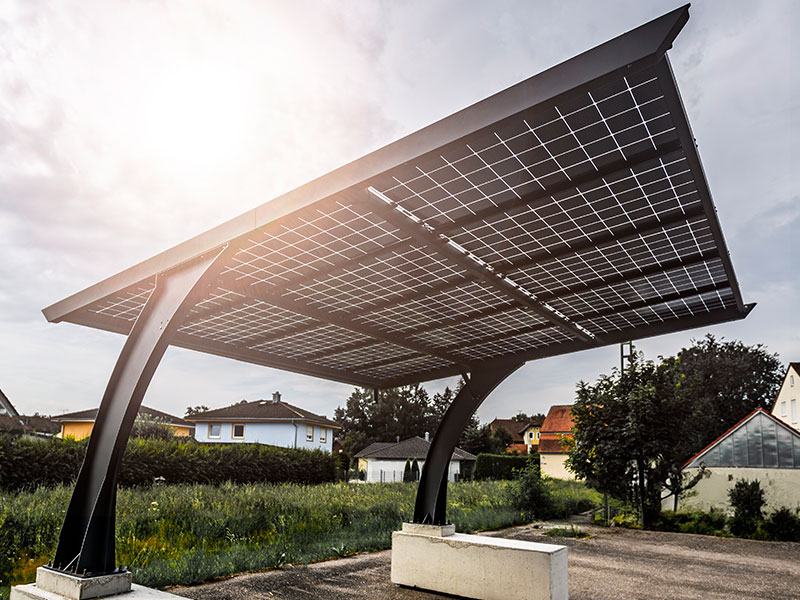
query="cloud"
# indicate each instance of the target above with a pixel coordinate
(87, 189)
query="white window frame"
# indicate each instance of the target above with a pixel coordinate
(233, 431)
(791, 380)
(783, 408)
(794, 410)
(323, 435)
(309, 433)
(214, 437)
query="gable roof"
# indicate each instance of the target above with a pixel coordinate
(414, 447)
(6, 407)
(551, 445)
(29, 425)
(262, 410)
(558, 420)
(792, 366)
(512, 426)
(534, 423)
(91, 414)
(758, 440)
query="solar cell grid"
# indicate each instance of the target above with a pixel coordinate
(658, 314)
(333, 234)
(578, 216)
(404, 367)
(480, 327)
(413, 270)
(127, 304)
(243, 322)
(357, 358)
(326, 337)
(514, 343)
(454, 302)
(614, 258)
(658, 285)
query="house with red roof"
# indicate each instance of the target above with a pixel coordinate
(555, 431)
(273, 422)
(759, 447)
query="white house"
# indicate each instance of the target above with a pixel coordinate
(271, 422)
(386, 461)
(785, 407)
(761, 447)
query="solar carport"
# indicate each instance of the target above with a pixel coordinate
(565, 213)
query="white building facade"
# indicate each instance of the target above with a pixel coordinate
(270, 422)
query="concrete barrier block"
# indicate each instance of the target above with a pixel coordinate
(481, 567)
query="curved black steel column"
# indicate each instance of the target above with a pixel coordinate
(86, 543)
(431, 503)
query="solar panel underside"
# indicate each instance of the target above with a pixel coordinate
(591, 206)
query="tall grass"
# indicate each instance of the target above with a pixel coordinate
(187, 534)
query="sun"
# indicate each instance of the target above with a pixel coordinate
(195, 118)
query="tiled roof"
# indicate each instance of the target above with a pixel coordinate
(91, 415)
(511, 425)
(25, 424)
(526, 426)
(414, 447)
(263, 410)
(551, 445)
(559, 419)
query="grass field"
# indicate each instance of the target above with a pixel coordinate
(187, 534)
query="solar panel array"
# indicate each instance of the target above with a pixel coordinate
(588, 217)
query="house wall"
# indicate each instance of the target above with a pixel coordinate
(388, 471)
(790, 390)
(80, 430)
(77, 430)
(274, 434)
(781, 488)
(553, 466)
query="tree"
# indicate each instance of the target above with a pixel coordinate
(479, 439)
(725, 381)
(398, 412)
(624, 427)
(524, 418)
(195, 410)
(636, 429)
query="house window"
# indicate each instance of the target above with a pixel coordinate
(530, 435)
(794, 410)
(214, 430)
(791, 380)
(310, 433)
(237, 431)
(323, 435)
(783, 408)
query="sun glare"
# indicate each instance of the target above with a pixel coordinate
(195, 119)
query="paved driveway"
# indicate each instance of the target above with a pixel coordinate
(614, 564)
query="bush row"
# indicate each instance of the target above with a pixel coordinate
(499, 466)
(26, 463)
(781, 525)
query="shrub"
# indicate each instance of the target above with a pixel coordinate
(531, 495)
(747, 501)
(783, 525)
(498, 466)
(693, 521)
(26, 464)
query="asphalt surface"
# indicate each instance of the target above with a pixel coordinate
(613, 564)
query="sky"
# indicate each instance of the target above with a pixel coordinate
(128, 127)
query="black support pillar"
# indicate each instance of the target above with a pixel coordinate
(431, 503)
(86, 543)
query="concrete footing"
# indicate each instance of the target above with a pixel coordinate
(476, 566)
(55, 585)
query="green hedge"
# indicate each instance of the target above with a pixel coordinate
(25, 463)
(499, 466)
